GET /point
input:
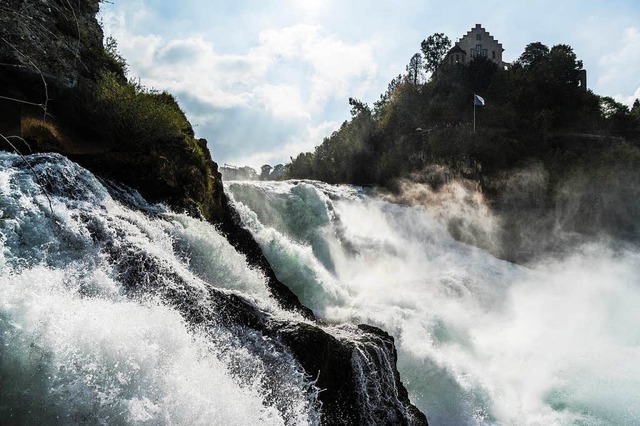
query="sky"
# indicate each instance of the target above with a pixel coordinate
(263, 80)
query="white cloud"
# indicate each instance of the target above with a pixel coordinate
(334, 65)
(304, 142)
(628, 100)
(290, 73)
(621, 68)
(311, 9)
(192, 65)
(282, 100)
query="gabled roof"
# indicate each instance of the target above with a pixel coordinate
(487, 33)
(457, 49)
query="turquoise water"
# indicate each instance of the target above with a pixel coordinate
(480, 341)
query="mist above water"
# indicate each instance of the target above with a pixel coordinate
(532, 214)
(480, 340)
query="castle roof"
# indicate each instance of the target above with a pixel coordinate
(487, 34)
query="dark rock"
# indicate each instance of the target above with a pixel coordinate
(329, 360)
(242, 240)
(10, 116)
(355, 372)
(55, 37)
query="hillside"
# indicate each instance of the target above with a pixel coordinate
(63, 91)
(545, 149)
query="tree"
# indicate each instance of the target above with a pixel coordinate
(265, 171)
(379, 105)
(248, 173)
(533, 54)
(479, 73)
(619, 118)
(635, 112)
(434, 49)
(611, 108)
(564, 64)
(278, 172)
(114, 61)
(414, 69)
(302, 166)
(357, 107)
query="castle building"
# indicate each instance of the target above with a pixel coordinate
(476, 42)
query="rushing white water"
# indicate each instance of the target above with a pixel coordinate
(480, 340)
(77, 346)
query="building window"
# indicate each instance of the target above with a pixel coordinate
(493, 54)
(484, 52)
(478, 37)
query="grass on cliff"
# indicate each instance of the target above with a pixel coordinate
(135, 117)
(148, 134)
(40, 130)
(130, 115)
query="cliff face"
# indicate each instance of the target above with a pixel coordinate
(63, 92)
(60, 39)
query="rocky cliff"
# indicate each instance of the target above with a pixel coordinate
(64, 92)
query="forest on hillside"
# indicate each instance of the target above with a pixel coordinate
(535, 108)
(553, 161)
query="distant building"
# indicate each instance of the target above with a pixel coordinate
(456, 56)
(477, 42)
(582, 82)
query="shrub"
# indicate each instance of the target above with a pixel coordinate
(40, 131)
(128, 113)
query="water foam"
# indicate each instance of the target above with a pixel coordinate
(480, 341)
(73, 359)
(78, 346)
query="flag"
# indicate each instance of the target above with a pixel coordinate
(478, 100)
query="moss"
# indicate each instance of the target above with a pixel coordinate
(40, 131)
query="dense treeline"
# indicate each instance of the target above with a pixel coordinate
(267, 172)
(536, 110)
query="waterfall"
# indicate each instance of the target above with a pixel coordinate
(116, 311)
(480, 341)
(108, 314)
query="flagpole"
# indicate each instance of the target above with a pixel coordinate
(474, 113)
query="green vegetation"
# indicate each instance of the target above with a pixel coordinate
(554, 162)
(77, 100)
(128, 113)
(535, 109)
(434, 48)
(149, 137)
